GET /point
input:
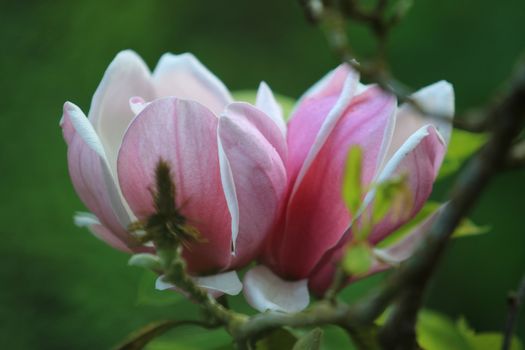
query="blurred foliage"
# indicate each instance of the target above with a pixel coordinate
(436, 332)
(63, 289)
(358, 259)
(462, 145)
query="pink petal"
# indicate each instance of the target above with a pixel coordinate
(322, 276)
(91, 176)
(438, 100)
(315, 117)
(388, 257)
(405, 247)
(185, 77)
(266, 291)
(256, 170)
(331, 84)
(183, 133)
(267, 103)
(419, 158)
(127, 76)
(260, 121)
(316, 216)
(100, 231)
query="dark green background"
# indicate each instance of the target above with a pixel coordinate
(62, 289)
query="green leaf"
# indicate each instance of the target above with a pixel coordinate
(468, 228)
(492, 340)
(337, 338)
(352, 191)
(402, 8)
(462, 145)
(437, 332)
(280, 339)
(485, 340)
(392, 196)
(148, 295)
(358, 259)
(287, 103)
(310, 341)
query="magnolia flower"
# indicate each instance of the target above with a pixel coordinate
(226, 158)
(311, 232)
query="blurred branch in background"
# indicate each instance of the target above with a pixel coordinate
(333, 15)
(515, 301)
(414, 276)
(504, 121)
(405, 288)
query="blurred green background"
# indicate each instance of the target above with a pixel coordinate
(62, 289)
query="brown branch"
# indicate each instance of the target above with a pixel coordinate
(415, 274)
(408, 283)
(515, 301)
(332, 17)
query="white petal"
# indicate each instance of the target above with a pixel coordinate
(109, 113)
(87, 133)
(84, 128)
(83, 219)
(126, 76)
(226, 282)
(438, 100)
(265, 291)
(160, 284)
(184, 76)
(216, 285)
(393, 163)
(388, 135)
(266, 102)
(408, 146)
(230, 193)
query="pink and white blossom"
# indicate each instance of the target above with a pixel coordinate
(314, 225)
(227, 160)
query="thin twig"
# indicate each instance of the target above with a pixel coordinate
(332, 20)
(515, 301)
(139, 339)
